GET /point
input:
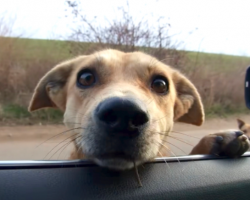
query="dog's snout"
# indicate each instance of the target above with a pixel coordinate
(238, 133)
(121, 116)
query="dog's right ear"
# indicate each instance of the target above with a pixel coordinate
(188, 106)
(240, 123)
(50, 91)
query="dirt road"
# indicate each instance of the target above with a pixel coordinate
(43, 142)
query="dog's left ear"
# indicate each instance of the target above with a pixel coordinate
(241, 123)
(50, 91)
(188, 105)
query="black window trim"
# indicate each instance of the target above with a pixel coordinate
(14, 164)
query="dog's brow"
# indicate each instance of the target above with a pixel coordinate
(152, 63)
(98, 58)
(152, 67)
(95, 60)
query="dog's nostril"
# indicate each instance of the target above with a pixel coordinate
(139, 119)
(110, 118)
(219, 139)
(238, 133)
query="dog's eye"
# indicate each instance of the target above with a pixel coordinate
(86, 79)
(160, 85)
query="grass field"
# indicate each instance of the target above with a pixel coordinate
(219, 78)
(61, 50)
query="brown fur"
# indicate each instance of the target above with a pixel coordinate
(224, 143)
(120, 75)
(244, 127)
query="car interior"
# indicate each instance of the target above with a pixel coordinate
(201, 177)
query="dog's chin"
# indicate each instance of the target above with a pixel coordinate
(117, 161)
(118, 164)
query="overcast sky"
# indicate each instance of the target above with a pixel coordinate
(223, 26)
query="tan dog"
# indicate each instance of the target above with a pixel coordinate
(244, 127)
(123, 105)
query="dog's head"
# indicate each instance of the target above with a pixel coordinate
(124, 104)
(244, 127)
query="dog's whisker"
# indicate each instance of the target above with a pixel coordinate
(166, 147)
(137, 175)
(180, 140)
(57, 135)
(185, 134)
(78, 149)
(166, 132)
(176, 147)
(76, 117)
(64, 146)
(61, 123)
(77, 110)
(73, 123)
(160, 133)
(166, 164)
(53, 142)
(68, 142)
(67, 146)
(149, 101)
(170, 143)
(91, 96)
(160, 118)
(164, 160)
(60, 143)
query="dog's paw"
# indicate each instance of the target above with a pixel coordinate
(231, 143)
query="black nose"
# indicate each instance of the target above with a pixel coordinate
(121, 116)
(238, 133)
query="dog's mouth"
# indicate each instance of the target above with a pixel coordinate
(116, 155)
(116, 160)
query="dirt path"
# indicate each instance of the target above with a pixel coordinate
(21, 142)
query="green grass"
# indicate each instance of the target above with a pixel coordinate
(218, 110)
(60, 50)
(19, 113)
(15, 111)
(218, 62)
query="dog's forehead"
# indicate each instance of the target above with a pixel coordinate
(108, 56)
(117, 59)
